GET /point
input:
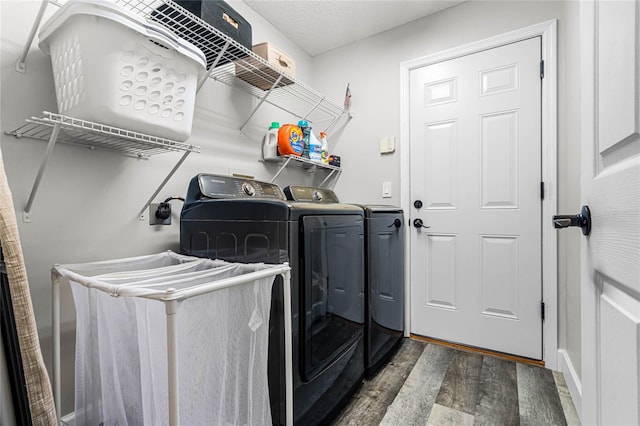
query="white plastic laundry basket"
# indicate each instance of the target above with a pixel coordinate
(155, 326)
(113, 67)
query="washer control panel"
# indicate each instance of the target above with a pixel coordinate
(219, 186)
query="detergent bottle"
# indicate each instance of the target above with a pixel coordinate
(290, 140)
(324, 148)
(315, 148)
(270, 143)
(306, 130)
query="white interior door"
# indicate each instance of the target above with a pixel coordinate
(475, 148)
(610, 117)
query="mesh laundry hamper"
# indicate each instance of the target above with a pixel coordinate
(124, 346)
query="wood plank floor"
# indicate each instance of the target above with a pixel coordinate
(429, 384)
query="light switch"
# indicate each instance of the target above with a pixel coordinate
(387, 145)
(386, 189)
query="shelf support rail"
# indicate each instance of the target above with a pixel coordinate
(327, 178)
(284, 165)
(36, 183)
(21, 65)
(335, 120)
(213, 66)
(249, 92)
(261, 101)
(304, 117)
(164, 182)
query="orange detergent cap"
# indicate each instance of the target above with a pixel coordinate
(290, 140)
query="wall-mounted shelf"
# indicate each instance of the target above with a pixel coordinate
(95, 135)
(224, 55)
(295, 98)
(310, 165)
(59, 128)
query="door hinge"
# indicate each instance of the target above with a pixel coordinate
(542, 310)
(541, 69)
(542, 190)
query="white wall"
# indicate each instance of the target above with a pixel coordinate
(87, 205)
(372, 66)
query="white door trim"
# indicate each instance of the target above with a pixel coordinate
(547, 30)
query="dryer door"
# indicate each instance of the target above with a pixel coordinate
(333, 288)
(386, 271)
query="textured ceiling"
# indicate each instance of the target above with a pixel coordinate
(318, 26)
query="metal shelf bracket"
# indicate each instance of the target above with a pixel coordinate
(257, 107)
(26, 217)
(282, 167)
(21, 64)
(329, 177)
(164, 182)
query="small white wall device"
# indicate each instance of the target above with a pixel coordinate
(387, 145)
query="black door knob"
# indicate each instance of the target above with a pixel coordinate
(397, 223)
(582, 220)
(418, 223)
(417, 204)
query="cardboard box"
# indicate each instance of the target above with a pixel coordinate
(261, 76)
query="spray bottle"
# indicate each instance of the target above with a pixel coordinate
(324, 148)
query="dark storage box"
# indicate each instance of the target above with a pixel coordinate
(219, 15)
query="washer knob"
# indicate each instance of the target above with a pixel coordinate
(248, 189)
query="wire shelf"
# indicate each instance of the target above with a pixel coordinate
(94, 135)
(305, 162)
(234, 65)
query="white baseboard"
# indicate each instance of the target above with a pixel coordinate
(571, 377)
(69, 419)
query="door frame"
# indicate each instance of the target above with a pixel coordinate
(548, 32)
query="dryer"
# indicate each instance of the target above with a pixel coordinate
(384, 274)
(244, 220)
(384, 278)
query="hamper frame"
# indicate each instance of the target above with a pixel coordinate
(171, 298)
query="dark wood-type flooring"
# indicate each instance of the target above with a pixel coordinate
(429, 384)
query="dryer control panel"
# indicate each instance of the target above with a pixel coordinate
(220, 186)
(310, 194)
